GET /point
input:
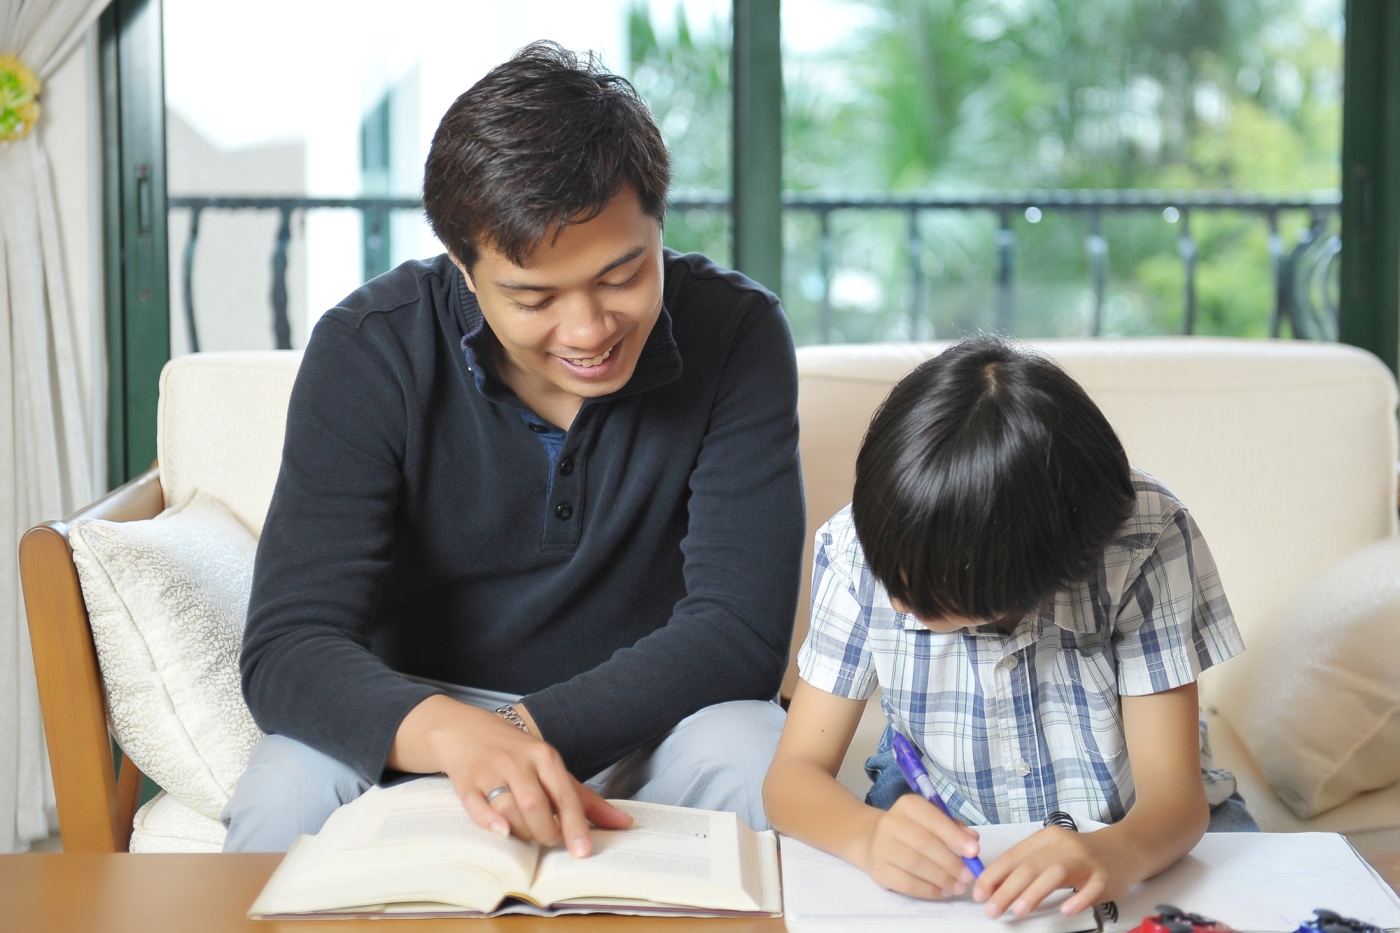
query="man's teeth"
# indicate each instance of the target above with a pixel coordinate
(596, 361)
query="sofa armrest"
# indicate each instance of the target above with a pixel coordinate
(95, 810)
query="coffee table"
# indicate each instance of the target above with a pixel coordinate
(211, 894)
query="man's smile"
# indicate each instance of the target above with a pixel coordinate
(592, 367)
(589, 362)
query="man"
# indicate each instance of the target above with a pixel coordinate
(539, 518)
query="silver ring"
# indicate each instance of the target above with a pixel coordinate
(496, 793)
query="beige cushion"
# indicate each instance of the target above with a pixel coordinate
(167, 599)
(166, 825)
(1371, 821)
(220, 427)
(1283, 450)
(1316, 699)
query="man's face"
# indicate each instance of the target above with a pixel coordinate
(572, 319)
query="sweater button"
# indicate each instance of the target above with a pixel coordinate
(564, 511)
(566, 466)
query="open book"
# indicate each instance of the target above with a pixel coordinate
(412, 849)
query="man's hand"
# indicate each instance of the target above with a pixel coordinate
(1056, 858)
(479, 751)
(916, 849)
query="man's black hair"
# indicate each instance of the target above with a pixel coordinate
(544, 139)
(987, 481)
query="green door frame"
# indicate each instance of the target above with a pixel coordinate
(756, 195)
(136, 254)
(1370, 274)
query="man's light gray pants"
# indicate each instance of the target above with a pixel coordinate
(714, 759)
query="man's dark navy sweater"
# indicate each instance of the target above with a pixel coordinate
(418, 527)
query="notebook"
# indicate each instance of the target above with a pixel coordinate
(1264, 882)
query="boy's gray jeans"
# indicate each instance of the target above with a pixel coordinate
(714, 759)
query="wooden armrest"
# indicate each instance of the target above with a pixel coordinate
(94, 811)
(139, 499)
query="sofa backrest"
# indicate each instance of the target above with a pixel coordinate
(1285, 452)
(220, 425)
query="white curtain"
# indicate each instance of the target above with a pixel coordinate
(44, 468)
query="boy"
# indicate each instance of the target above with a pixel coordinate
(1036, 613)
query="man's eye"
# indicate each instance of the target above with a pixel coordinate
(621, 285)
(525, 307)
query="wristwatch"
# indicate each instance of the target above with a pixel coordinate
(509, 714)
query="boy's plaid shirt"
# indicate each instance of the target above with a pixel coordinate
(1019, 725)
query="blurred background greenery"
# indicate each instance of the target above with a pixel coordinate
(992, 95)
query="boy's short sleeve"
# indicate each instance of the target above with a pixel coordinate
(836, 655)
(1174, 620)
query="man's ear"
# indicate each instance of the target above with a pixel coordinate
(465, 274)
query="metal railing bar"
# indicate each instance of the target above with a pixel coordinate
(1098, 269)
(1186, 245)
(824, 314)
(1278, 311)
(1001, 203)
(914, 246)
(1068, 199)
(1006, 259)
(281, 325)
(294, 203)
(189, 280)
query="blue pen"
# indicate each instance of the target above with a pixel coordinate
(911, 765)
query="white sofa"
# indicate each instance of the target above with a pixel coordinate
(1284, 452)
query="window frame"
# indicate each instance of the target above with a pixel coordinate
(135, 243)
(1370, 258)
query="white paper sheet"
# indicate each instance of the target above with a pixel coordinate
(823, 893)
(1254, 882)
(1266, 882)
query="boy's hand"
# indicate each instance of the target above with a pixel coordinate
(914, 850)
(1053, 858)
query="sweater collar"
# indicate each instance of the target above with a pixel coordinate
(658, 364)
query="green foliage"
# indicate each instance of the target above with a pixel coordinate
(1026, 94)
(685, 82)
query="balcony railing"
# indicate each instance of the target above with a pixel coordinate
(1299, 272)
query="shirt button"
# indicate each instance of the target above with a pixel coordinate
(1022, 768)
(564, 511)
(566, 466)
(538, 428)
(1011, 662)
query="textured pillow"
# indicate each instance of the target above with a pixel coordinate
(1318, 704)
(167, 599)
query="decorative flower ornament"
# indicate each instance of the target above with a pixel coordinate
(19, 106)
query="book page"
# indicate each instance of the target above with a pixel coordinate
(671, 855)
(1266, 882)
(412, 842)
(823, 893)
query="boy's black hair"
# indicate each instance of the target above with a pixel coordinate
(543, 139)
(988, 480)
